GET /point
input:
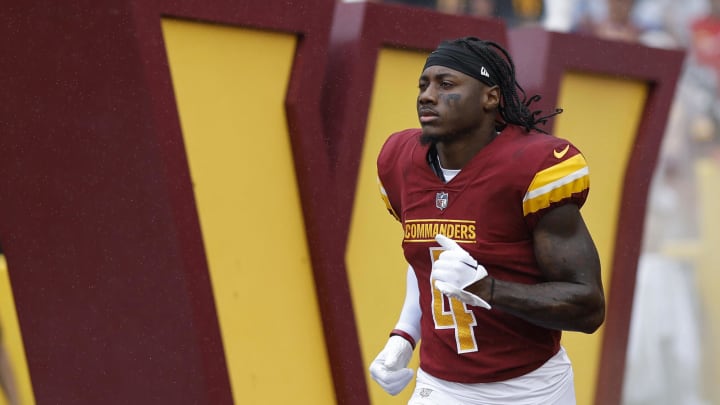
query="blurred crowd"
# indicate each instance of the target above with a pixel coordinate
(690, 25)
(673, 357)
(664, 23)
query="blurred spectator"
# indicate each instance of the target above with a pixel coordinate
(418, 3)
(482, 8)
(618, 25)
(700, 85)
(664, 347)
(572, 15)
(610, 19)
(513, 12)
(666, 23)
(706, 38)
(559, 15)
(659, 23)
(477, 8)
(520, 12)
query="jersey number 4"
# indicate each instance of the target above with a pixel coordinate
(449, 313)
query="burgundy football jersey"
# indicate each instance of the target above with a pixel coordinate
(490, 208)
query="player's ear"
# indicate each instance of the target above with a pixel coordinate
(491, 97)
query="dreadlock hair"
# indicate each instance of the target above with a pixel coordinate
(514, 107)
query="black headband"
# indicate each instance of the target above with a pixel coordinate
(457, 57)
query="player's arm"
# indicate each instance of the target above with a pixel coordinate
(408, 324)
(573, 297)
(390, 367)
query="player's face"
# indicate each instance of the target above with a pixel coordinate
(449, 104)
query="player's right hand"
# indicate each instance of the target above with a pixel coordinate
(389, 369)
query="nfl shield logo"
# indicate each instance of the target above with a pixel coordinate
(441, 200)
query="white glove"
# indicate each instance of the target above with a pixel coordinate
(454, 270)
(389, 369)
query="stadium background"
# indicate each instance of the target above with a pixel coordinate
(194, 216)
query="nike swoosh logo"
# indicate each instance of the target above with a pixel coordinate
(560, 154)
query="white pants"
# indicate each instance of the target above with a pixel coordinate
(550, 384)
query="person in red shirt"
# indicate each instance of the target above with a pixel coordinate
(500, 259)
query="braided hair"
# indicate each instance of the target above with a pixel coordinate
(514, 107)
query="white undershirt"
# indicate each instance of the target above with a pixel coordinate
(449, 174)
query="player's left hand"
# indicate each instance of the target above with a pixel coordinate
(455, 270)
